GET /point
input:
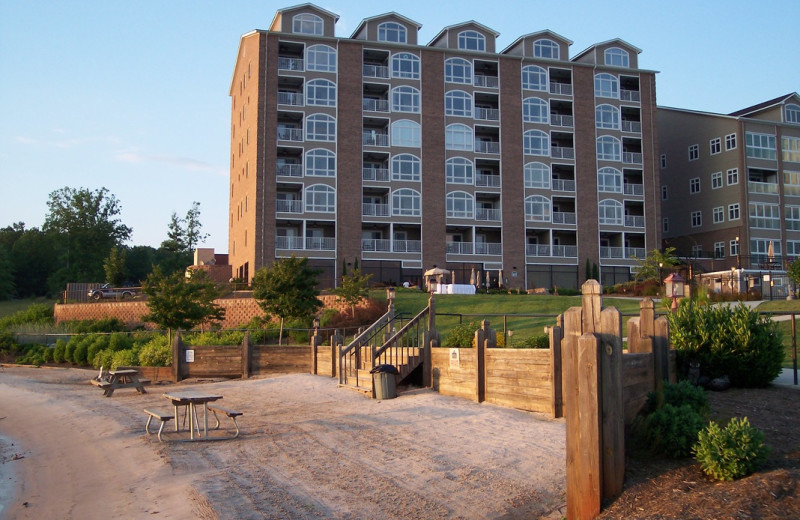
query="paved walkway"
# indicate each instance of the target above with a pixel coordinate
(786, 378)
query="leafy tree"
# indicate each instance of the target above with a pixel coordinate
(6, 274)
(88, 226)
(139, 262)
(35, 265)
(287, 289)
(114, 266)
(793, 272)
(649, 268)
(177, 302)
(184, 234)
(354, 288)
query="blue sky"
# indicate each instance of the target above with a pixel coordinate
(133, 96)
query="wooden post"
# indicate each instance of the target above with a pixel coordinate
(634, 345)
(336, 340)
(556, 371)
(177, 357)
(661, 370)
(247, 353)
(480, 362)
(316, 341)
(592, 304)
(613, 409)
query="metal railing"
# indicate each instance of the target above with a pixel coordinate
(632, 157)
(289, 206)
(487, 214)
(375, 174)
(374, 210)
(633, 189)
(629, 95)
(564, 217)
(559, 120)
(565, 89)
(287, 63)
(289, 170)
(374, 139)
(563, 185)
(487, 181)
(487, 114)
(487, 146)
(375, 105)
(290, 98)
(375, 71)
(562, 152)
(290, 134)
(481, 80)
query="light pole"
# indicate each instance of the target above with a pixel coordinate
(738, 254)
(674, 287)
(660, 265)
(733, 272)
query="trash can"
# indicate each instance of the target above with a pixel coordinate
(384, 378)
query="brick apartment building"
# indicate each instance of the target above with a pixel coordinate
(402, 156)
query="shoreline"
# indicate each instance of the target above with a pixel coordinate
(9, 477)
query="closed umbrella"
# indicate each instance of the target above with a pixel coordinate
(499, 277)
(771, 251)
(472, 277)
(488, 279)
(478, 279)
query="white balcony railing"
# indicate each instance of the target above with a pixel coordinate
(374, 139)
(633, 189)
(375, 71)
(375, 174)
(553, 251)
(376, 244)
(632, 157)
(565, 251)
(374, 210)
(563, 185)
(638, 252)
(487, 181)
(290, 134)
(487, 214)
(487, 114)
(632, 126)
(487, 146)
(537, 250)
(564, 217)
(290, 170)
(762, 187)
(538, 217)
(559, 120)
(286, 63)
(474, 248)
(562, 152)
(321, 243)
(289, 206)
(289, 242)
(565, 89)
(375, 105)
(611, 252)
(407, 246)
(488, 248)
(629, 95)
(290, 98)
(636, 221)
(481, 80)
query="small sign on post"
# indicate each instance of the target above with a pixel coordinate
(190, 356)
(455, 358)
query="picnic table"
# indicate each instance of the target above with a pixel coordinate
(190, 399)
(124, 378)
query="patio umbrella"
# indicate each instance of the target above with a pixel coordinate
(499, 277)
(478, 279)
(488, 279)
(472, 277)
(771, 251)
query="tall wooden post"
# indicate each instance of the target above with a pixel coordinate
(177, 357)
(556, 371)
(247, 355)
(481, 343)
(336, 340)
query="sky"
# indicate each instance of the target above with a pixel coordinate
(133, 96)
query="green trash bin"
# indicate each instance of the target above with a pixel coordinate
(384, 378)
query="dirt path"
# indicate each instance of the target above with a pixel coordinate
(308, 450)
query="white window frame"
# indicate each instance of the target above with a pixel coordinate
(694, 185)
(459, 170)
(537, 175)
(730, 142)
(406, 202)
(734, 211)
(733, 248)
(606, 116)
(697, 219)
(790, 149)
(716, 180)
(458, 103)
(719, 249)
(535, 110)
(606, 85)
(718, 214)
(616, 57)
(792, 218)
(760, 146)
(458, 70)
(307, 23)
(459, 204)
(316, 123)
(321, 92)
(406, 167)
(538, 208)
(321, 58)
(732, 176)
(610, 212)
(536, 142)
(320, 198)
(546, 49)
(471, 40)
(609, 180)
(534, 78)
(792, 114)
(405, 65)
(609, 148)
(459, 137)
(694, 152)
(715, 146)
(392, 32)
(407, 133)
(764, 215)
(406, 99)
(319, 162)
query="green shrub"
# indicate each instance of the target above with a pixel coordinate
(124, 358)
(536, 341)
(156, 353)
(230, 337)
(47, 355)
(79, 355)
(119, 341)
(69, 348)
(679, 394)
(727, 340)
(731, 452)
(58, 351)
(670, 430)
(462, 335)
(37, 313)
(99, 342)
(96, 325)
(104, 359)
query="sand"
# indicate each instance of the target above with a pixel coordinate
(308, 450)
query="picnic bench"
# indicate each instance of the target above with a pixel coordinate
(161, 416)
(232, 414)
(125, 378)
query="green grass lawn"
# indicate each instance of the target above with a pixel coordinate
(8, 307)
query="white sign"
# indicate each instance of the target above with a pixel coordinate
(455, 358)
(190, 356)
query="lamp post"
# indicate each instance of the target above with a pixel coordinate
(510, 335)
(674, 287)
(316, 325)
(738, 254)
(733, 273)
(660, 265)
(390, 297)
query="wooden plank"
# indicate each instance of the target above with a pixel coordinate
(572, 329)
(590, 483)
(613, 413)
(556, 371)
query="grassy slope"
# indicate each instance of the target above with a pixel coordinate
(8, 307)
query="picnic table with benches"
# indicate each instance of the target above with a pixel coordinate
(189, 400)
(124, 378)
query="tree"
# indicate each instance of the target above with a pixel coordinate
(184, 234)
(354, 288)
(88, 226)
(650, 268)
(793, 272)
(287, 289)
(35, 265)
(177, 302)
(114, 266)
(6, 274)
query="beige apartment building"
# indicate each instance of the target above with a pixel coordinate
(730, 191)
(377, 150)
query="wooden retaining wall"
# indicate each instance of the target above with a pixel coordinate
(459, 379)
(519, 378)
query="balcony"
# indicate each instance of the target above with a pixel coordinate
(538, 217)
(636, 221)
(375, 174)
(632, 158)
(638, 252)
(563, 185)
(376, 71)
(632, 126)
(551, 251)
(290, 98)
(474, 248)
(633, 189)
(558, 120)
(564, 217)
(374, 139)
(487, 146)
(376, 244)
(565, 89)
(374, 210)
(630, 95)
(488, 214)
(288, 242)
(562, 152)
(407, 246)
(620, 252)
(762, 187)
(290, 134)
(487, 181)
(287, 63)
(289, 170)
(375, 105)
(289, 206)
(321, 243)
(487, 114)
(481, 80)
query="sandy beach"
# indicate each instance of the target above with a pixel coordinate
(308, 450)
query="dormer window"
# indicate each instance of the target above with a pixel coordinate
(546, 49)
(793, 114)
(617, 57)
(307, 23)
(471, 41)
(392, 32)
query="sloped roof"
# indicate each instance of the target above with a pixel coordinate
(386, 15)
(300, 6)
(620, 41)
(766, 104)
(462, 24)
(546, 32)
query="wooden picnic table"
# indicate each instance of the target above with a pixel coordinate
(190, 399)
(125, 378)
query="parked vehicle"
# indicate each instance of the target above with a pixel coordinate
(106, 291)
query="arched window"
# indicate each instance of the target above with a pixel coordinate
(321, 58)
(537, 175)
(307, 23)
(792, 114)
(458, 137)
(459, 170)
(609, 180)
(320, 199)
(392, 32)
(406, 202)
(320, 163)
(537, 209)
(405, 65)
(536, 142)
(606, 85)
(471, 41)
(458, 103)
(546, 49)
(534, 78)
(406, 133)
(321, 92)
(458, 70)
(460, 205)
(610, 212)
(535, 110)
(617, 57)
(606, 116)
(320, 127)
(405, 99)
(406, 167)
(609, 148)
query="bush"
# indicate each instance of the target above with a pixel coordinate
(79, 355)
(670, 430)
(119, 341)
(462, 335)
(58, 351)
(231, 337)
(99, 342)
(37, 313)
(98, 325)
(725, 340)
(124, 358)
(731, 452)
(156, 353)
(104, 359)
(679, 394)
(536, 341)
(32, 354)
(69, 348)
